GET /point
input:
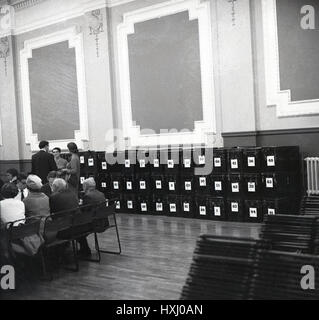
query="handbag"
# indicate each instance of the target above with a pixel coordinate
(30, 245)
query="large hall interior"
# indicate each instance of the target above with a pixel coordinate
(159, 149)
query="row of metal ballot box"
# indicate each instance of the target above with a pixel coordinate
(250, 186)
(202, 207)
(185, 161)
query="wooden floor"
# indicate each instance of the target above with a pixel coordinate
(157, 253)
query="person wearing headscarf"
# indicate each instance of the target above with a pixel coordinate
(36, 203)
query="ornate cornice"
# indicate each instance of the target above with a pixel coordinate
(23, 4)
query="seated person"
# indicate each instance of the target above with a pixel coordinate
(62, 198)
(36, 203)
(12, 176)
(22, 186)
(91, 196)
(1, 185)
(11, 209)
(47, 188)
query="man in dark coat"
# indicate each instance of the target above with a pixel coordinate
(91, 196)
(43, 162)
(62, 199)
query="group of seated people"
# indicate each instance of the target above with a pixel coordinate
(24, 197)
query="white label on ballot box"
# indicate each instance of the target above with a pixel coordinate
(144, 207)
(170, 164)
(172, 207)
(202, 210)
(116, 185)
(188, 186)
(104, 166)
(269, 183)
(158, 184)
(271, 161)
(91, 162)
(142, 185)
(217, 211)
(127, 163)
(118, 205)
(218, 186)
(271, 212)
(187, 163)
(234, 207)
(251, 187)
(82, 179)
(82, 160)
(103, 185)
(130, 204)
(202, 182)
(253, 212)
(142, 163)
(159, 206)
(251, 161)
(235, 187)
(217, 162)
(186, 207)
(172, 186)
(234, 163)
(156, 163)
(201, 160)
(129, 185)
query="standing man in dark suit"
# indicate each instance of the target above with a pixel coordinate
(43, 162)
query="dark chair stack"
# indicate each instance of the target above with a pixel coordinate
(310, 205)
(222, 268)
(269, 268)
(289, 233)
(278, 276)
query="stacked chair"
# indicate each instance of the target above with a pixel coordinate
(221, 268)
(310, 205)
(277, 276)
(269, 268)
(289, 233)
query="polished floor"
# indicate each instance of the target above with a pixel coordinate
(157, 253)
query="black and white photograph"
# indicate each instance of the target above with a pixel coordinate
(159, 151)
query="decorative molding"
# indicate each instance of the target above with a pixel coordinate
(233, 11)
(23, 4)
(75, 41)
(4, 52)
(96, 27)
(7, 19)
(281, 99)
(70, 10)
(203, 129)
(270, 132)
(239, 134)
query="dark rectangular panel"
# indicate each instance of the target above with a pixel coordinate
(54, 92)
(165, 73)
(298, 51)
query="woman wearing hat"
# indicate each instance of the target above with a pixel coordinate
(73, 169)
(36, 203)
